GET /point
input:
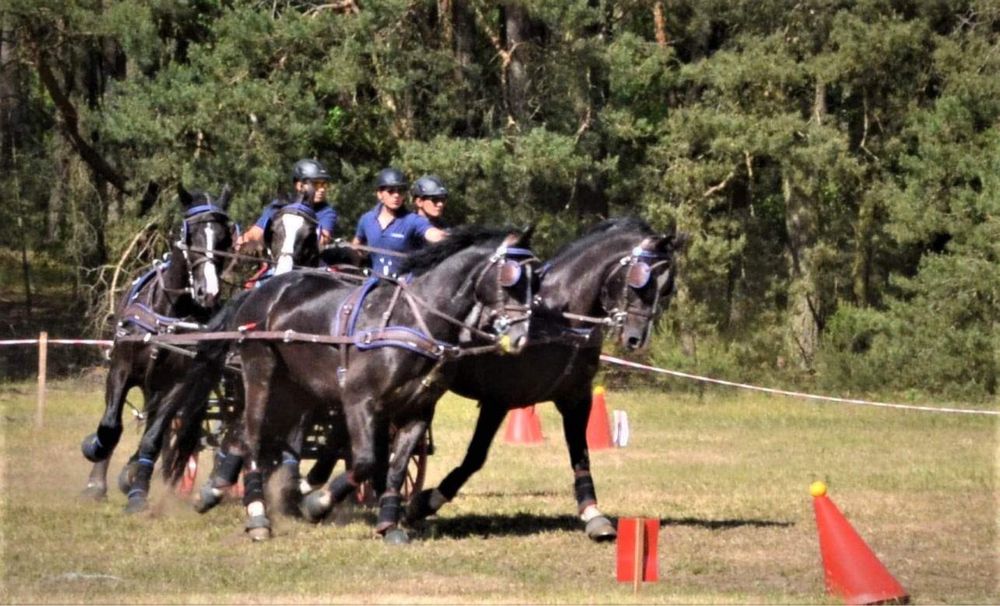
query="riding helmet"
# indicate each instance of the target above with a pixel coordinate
(310, 170)
(390, 177)
(429, 186)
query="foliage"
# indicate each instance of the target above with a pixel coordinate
(835, 161)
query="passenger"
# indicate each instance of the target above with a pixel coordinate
(430, 196)
(391, 226)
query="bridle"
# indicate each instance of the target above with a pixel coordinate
(513, 265)
(202, 213)
(298, 209)
(639, 266)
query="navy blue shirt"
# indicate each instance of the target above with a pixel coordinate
(404, 233)
(326, 217)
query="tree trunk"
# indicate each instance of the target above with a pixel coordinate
(11, 96)
(861, 264)
(517, 32)
(659, 24)
(803, 320)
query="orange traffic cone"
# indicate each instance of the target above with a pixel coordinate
(598, 429)
(189, 477)
(523, 426)
(852, 570)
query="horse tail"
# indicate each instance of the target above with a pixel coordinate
(187, 402)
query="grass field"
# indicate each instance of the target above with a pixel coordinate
(727, 475)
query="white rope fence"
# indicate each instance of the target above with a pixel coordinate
(794, 394)
(43, 342)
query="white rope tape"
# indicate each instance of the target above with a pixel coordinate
(635, 365)
(100, 342)
(794, 394)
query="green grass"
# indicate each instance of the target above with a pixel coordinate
(726, 474)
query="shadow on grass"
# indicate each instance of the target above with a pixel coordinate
(524, 524)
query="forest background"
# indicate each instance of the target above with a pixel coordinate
(837, 163)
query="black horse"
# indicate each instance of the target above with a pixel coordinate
(292, 238)
(616, 277)
(177, 295)
(384, 361)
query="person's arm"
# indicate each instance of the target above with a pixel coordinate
(325, 238)
(250, 237)
(434, 234)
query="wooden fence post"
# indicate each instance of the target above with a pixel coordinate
(43, 355)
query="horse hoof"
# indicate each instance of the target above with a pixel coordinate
(137, 504)
(209, 497)
(395, 536)
(92, 450)
(258, 528)
(258, 535)
(126, 476)
(419, 507)
(600, 530)
(316, 505)
(95, 492)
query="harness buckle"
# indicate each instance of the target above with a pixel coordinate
(288, 335)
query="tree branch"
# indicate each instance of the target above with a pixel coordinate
(71, 127)
(719, 186)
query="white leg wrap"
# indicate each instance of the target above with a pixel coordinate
(255, 509)
(590, 513)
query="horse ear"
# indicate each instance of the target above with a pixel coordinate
(678, 241)
(526, 235)
(185, 195)
(224, 197)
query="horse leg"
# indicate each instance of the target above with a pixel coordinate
(430, 500)
(146, 455)
(391, 501)
(361, 429)
(291, 492)
(321, 469)
(332, 451)
(98, 446)
(575, 414)
(225, 473)
(259, 364)
(228, 461)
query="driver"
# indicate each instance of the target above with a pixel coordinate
(391, 226)
(310, 179)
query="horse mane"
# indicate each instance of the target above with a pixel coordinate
(459, 238)
(601, 231)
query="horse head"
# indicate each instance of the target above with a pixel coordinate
(484, 278)
(292, 237)
(505, 289)
(205, 231)
(640, 287)
(617, 275)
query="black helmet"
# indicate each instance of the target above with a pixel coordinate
(429, 186)
(390, 177)
(310, 170)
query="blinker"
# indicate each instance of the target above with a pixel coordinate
(638, 274)
(510, 273)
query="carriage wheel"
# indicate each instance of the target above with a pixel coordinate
(416, 473)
